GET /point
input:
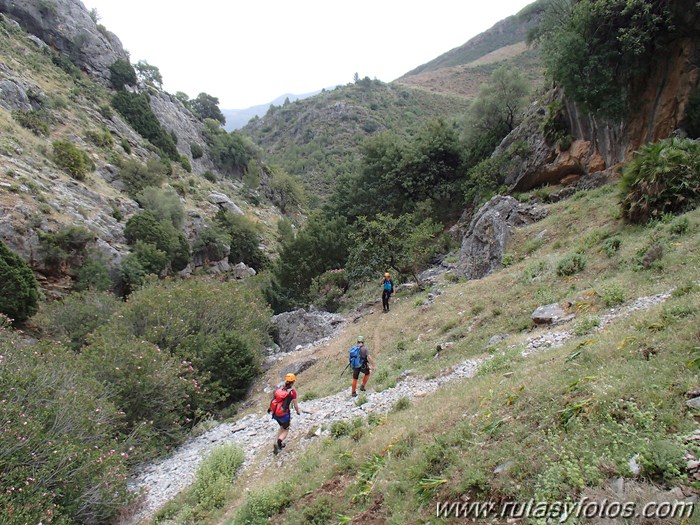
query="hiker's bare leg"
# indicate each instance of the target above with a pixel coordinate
(282, 433)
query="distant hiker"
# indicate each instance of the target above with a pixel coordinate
(279, 408)
(387, 290)
(359, 362)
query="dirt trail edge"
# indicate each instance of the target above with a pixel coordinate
(254, 433)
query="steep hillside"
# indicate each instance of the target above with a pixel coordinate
(50, 108)
(318, 139)
(462, 70)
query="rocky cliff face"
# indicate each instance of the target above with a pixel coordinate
(66, 26)
(598, 144)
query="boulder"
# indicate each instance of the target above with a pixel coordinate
(484, 244)
(299, 327)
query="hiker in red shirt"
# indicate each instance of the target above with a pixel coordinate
(279, 408)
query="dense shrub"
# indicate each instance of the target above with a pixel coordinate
(663, 177)
(145, 227)
(570, 265)
(136, 109)
(328, 288)
(60, 460)
(77, 315)
(212, 243)
(18, 287)
(167, 313)
(122, 74)
(71, 158)
(185, 163)
(93, 275)
(245, 239)
(102, 138)
(285, 191)
(196, 319)
(164, 204)
(227, 150)
(56, 248)
(196, 151)
(137, 176)
(36, 121)
(153, 388)
(152, 260)
(131, 274)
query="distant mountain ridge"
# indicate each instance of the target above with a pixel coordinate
(237, 118)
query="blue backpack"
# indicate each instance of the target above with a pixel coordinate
(355, 359)
(388, 286)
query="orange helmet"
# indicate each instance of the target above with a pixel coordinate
(290, 378)
(387, 274)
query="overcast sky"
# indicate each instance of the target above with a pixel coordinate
(250, 52)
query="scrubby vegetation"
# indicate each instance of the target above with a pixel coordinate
(18, 286)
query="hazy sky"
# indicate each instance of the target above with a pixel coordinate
(250, 52)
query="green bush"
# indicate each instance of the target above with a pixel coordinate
(153, 389)
(93, 275)
(328, 288)
(152, 260)
(228, 151)
(77, 315)
(219, 327)
(196, 150)
(145, 227)
(36, 121)
(185, 163)
(571, 264)
(137, 176)
(71, 158)
(245, 239)
(132, 275)
(164, 204)
(19, 292)
(57, 248)
(663, 177)
(136, 109)
(102, 138)
(61, 461)
(122, 74)
(212, 243)
(232, 363)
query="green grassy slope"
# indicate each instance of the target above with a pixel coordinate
(558, 424)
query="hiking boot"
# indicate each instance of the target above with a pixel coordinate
(283, 445)
(354, 394)
(276, 449)
(362, 388)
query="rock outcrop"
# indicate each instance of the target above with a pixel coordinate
(601, 144)
(484, 244)
(66, 26)
(298, 328)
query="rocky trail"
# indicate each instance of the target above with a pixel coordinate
(254, 433)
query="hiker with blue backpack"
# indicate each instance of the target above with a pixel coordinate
(279, 407)
(387, 290)
(359, 362)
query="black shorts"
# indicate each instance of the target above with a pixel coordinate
(356, 371)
